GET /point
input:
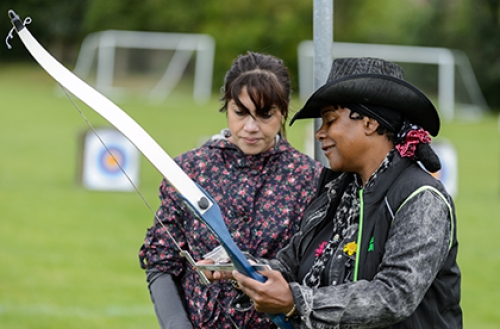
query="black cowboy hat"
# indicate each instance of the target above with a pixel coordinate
(372, 81)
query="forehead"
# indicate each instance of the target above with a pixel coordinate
(328, 108)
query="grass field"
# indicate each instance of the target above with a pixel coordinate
(68, 256)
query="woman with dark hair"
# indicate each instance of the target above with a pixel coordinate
(378, 247)
(261, 183)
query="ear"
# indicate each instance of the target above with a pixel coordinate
(370, 125)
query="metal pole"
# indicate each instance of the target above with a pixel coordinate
(323, 43)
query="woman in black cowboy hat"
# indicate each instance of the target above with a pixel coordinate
(377, 248)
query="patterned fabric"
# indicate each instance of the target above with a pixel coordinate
(345, 222)
(262, 198)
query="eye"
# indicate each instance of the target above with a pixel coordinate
(328, 120)
(233, 107)
(239, 112)
(268, 114)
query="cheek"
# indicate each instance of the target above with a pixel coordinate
(272, 128)
(233, 123)
(332, 132)
(345, 143)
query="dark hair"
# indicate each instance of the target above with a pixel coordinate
(381, 130)
(267, 81)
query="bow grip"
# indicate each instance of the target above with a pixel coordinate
(213, 219)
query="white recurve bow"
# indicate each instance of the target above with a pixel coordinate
(199, 200)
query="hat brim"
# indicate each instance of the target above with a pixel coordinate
(375, 89)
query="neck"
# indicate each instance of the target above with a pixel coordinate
(373, 159)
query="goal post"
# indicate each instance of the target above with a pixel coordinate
(444, 58)
(102, 46)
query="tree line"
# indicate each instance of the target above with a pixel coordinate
(275, 27)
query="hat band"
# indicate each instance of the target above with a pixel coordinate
(390, 119)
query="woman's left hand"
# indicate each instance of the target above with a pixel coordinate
(273, 296)
(208, 274)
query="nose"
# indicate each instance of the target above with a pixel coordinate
(251, 124)
(321, 134)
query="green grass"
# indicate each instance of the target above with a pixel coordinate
(68, 256)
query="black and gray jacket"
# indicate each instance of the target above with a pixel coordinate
(406, 274)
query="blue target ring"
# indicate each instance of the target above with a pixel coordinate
(107, 164)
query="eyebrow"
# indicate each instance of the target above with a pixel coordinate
(322, 112)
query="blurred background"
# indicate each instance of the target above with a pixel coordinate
(276, 27)
(68, 253)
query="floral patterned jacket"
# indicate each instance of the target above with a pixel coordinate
(262, 198)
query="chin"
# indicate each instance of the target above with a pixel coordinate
(335, 166)
(249, 151)
(255, 149)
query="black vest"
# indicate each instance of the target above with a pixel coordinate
(440, 307)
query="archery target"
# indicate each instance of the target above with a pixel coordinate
(110, 160)
(448, 174)
(102, 164)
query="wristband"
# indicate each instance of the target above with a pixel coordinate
(291, 313)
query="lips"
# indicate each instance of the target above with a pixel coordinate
(326, 148)
(251, 140)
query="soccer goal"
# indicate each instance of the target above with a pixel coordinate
(445, 59)
(166, 55)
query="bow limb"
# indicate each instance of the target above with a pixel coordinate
(115, 116)
(199, 200)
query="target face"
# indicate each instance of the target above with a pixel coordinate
(111, 159)
(104, 165)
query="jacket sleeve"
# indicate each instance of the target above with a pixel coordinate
(159, 250)
(167, 301)
(288, 259)
(416, 249)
